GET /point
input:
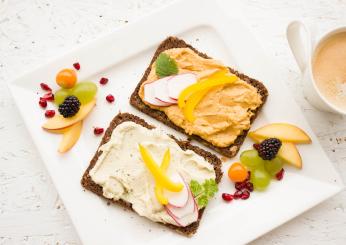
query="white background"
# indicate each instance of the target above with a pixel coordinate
(31, 32)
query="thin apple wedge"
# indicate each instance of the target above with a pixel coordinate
(288, 152)
(59, 122)
(283, 131)
(59, 130)
(70, 137)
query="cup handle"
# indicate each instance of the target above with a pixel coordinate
(299, 40)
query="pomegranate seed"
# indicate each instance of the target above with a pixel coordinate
(249, 186)
(43, 103)
(103, 80)
(245, 195)
(240, 185)
(256, 146)
(280, 174)
(49, 113)
(237, 194)
(110, 98)
(227, 197)
(248, 176)
(98, 131)
(48, 96)
(45, 87)
(76, 66)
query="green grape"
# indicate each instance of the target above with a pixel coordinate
(85, 91)
(60, 95)
(273, 166)
(260, 179)
(251, 159)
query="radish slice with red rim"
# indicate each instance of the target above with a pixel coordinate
(178, 199)
(149, 95)
(161, 90)
(178, 83)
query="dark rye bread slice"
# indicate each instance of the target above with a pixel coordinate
(136, 101)
(88, 183)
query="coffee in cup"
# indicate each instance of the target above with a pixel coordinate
(329, 69)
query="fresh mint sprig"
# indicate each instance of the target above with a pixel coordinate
(165, 66)
(203, 192)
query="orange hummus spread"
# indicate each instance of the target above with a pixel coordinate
(223, 113)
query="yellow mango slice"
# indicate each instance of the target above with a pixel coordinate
(158, 188)
(218, 78)
(160, 177)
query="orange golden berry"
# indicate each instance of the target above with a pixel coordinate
(237, 172)
(66, 78)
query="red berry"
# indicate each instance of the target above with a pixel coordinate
(256, 146)
(43, 103)
(227, 197)
(237, 194)
(45, 87)
(249, 186)
(280, 174)
(248, 176)
(76, 66)
(98, 131)
(245, 195)
(110, 98)
(240, 185)
(103, 80)
(48, 96)
(49, 113)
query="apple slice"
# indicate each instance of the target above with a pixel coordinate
(177, 199)
(283, 131)
(288, 152)
(149, 95)
(59, 122)
(161, 90)
(178, 83)
(70, 137)
(59, 130)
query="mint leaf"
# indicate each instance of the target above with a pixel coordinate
(165, 66)
(195, 188)
(202, 201)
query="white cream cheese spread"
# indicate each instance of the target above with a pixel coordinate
(123, 175)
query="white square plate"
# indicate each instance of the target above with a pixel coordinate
(122, 57)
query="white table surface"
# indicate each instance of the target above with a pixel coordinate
(31, 32)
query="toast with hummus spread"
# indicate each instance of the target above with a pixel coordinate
(153, 174)
(199, 96)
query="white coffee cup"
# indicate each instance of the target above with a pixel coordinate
(303, 49)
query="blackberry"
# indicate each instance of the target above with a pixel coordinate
(69, 107)
(268, 148)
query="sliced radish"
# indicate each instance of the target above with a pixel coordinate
(177, 199)
(188, 219)
(161, 90)
(149, 95)
(185, 215)
(179, 82)
(183, 211)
